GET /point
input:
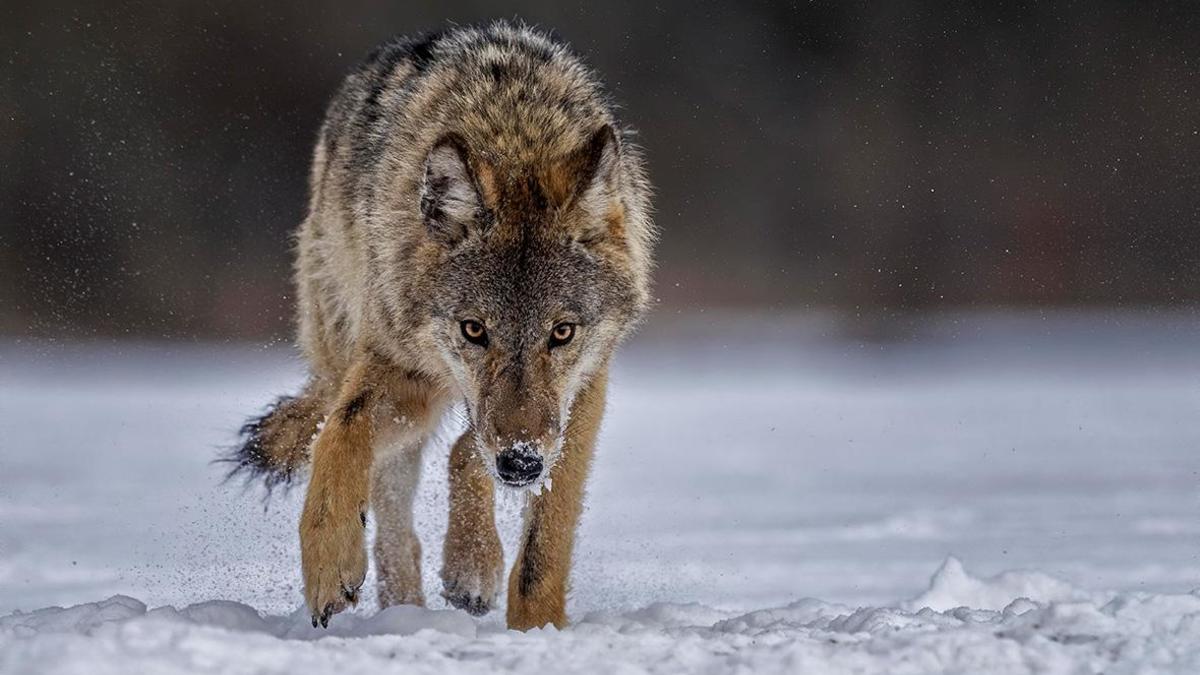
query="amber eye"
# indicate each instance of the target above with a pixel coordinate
(474, 332)
(561, 334)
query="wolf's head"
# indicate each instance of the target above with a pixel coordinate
(537, 281)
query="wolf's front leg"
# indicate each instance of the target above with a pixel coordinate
(472, 558)
(332, 548)
(537, 586)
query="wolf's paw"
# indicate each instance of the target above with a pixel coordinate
(469, 596)
(398, 565)
(471, 576)
(334, 560)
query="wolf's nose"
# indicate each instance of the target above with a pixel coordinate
(519, 465)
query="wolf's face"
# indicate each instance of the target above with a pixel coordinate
(530, 297)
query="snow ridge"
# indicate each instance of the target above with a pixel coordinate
(1015, 622)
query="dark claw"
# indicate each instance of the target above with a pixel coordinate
(314, 618)
(362, 515)
(326, 614)
(478, 607)
(351, 595)
(473, 605)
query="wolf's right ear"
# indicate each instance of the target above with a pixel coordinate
(450, 199)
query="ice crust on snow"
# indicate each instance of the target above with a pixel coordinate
(1015, 622)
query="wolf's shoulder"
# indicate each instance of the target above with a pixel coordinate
(483, 49)
(474, 64)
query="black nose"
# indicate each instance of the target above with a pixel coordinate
(519, 465)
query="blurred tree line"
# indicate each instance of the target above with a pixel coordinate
(888, 156)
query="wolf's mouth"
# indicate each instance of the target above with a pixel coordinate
(516, 483)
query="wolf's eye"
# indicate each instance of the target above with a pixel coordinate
(561, 334)
(474, 332)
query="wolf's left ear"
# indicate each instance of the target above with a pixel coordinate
(450, 200)
(590, 180)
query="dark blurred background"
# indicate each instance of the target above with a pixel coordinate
(890, 157)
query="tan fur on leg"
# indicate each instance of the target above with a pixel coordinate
(472, 557)
(333, 555)
(537, 586)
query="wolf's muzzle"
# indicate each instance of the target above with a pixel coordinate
(519, 465)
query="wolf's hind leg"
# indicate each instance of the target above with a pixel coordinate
(473, 560)
(394, 477)
(537, 586)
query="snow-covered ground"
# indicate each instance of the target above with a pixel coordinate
(748, 465)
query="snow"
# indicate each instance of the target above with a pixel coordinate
(1044, 466)
(1051, 627)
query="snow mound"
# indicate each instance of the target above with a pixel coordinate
(95, 617)
(951, 586)
(1015, 622)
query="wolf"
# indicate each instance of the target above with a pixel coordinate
(479, 238)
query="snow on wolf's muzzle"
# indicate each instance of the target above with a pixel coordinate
(519, 464)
